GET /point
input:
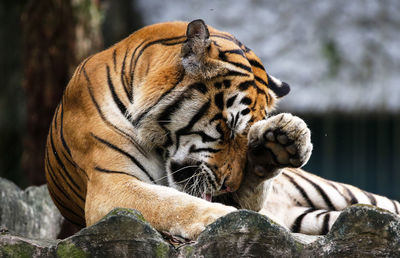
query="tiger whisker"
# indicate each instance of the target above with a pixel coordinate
(161, 178)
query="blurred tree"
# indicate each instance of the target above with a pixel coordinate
(121, 18)
(12, 105)
(57, 35)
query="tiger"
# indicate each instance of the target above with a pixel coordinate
(177, 121)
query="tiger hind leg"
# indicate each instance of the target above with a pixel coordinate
(305, 220)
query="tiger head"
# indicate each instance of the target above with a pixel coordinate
(220, 89)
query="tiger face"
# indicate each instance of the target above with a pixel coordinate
(203, 124)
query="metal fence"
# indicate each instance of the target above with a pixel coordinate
(362, 150)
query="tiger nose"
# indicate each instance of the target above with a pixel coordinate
(233, 181)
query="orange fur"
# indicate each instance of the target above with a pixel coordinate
(92, 130)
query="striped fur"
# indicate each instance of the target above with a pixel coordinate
(159, 123)
(309, 204)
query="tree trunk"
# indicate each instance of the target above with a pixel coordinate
(58, 34)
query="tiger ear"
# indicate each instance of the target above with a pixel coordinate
(194, 51)
(279, 88)
(197, 39)
(197, 29)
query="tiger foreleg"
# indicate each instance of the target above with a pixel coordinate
(280, 141)
(163, 207)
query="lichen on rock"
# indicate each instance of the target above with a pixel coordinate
(360, 231)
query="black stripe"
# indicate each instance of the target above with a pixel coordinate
(321, 191)
(204, 108)
(261, 80)
(353, 199)
(123, 77)
(60, 205)
(144, 113)
(236, 120)
(158, 41)
(296, 227)
(201, 87)
(220, 131)
(202, 111)
(245, 85)
(245, 111)
(218, 85)
(337, 190)
(257, 64)
(235, 51)
(114, 55)
(75, 165)
(62, 132)
(65, 145)
(165, 117)
(325, 225)
(204, 137)
(223, 36)
(235, 73)
(113, 171)
(240, 65)
(61, 164)
(300, 189)
(83, 65)
(246, 101)
(219, 100)
(321, 213)
(232, 39)
(56, 116)
(131, 70)
(66, 196)
(173, 43)
(52, 177)
(371, 197)
(230, 101)
(218, 116)
(193, 149)
(102, 116)
(133, 159)
(227, 83)
(259, 90)
(116, 99)
(223, 57)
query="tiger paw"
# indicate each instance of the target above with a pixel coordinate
(280, 141)
(205, 215)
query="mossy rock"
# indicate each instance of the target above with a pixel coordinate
(122, 233)
(360, 231)
(244, 233)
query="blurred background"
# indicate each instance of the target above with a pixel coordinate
(341, 58)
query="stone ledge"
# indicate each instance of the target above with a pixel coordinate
(30, 212)
(360, 231)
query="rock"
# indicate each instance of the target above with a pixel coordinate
(242, 234)
(122, 233)
(360, 231)
(29, 213)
